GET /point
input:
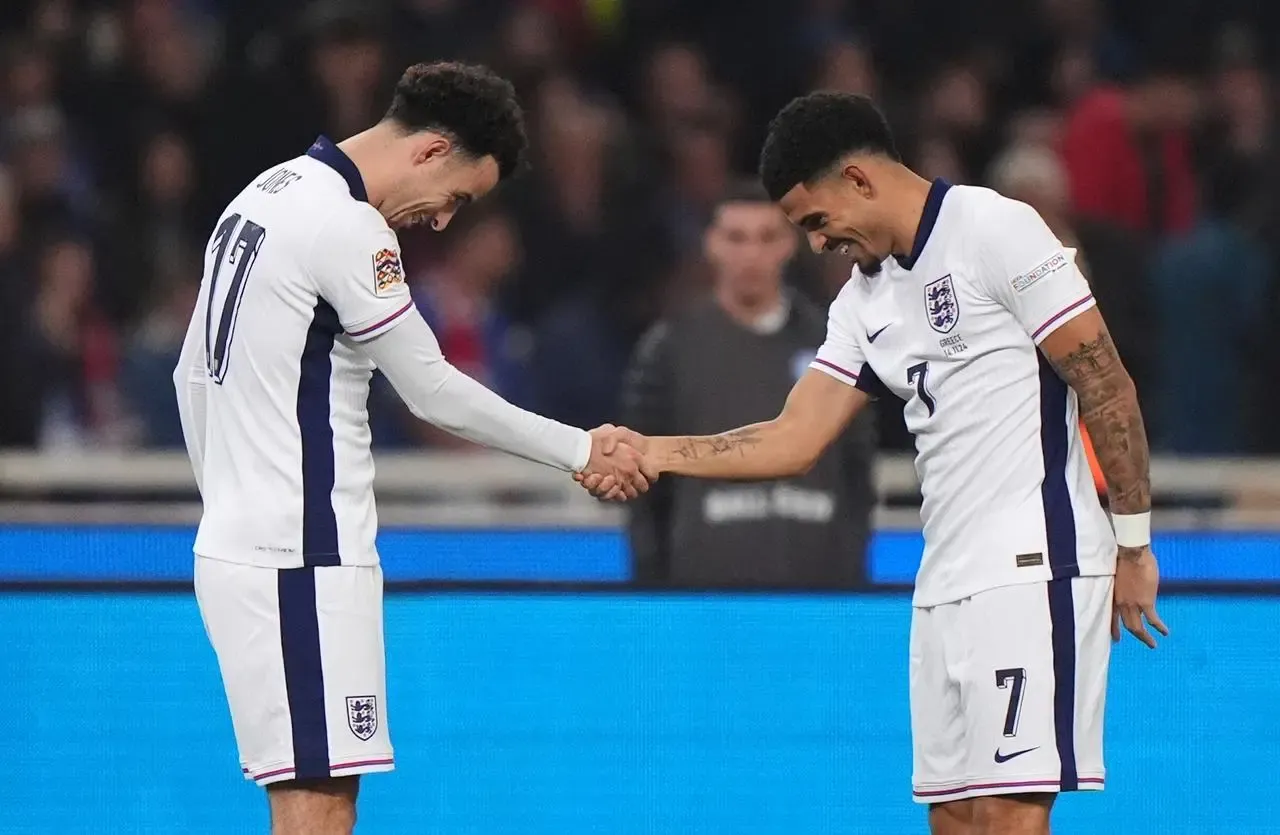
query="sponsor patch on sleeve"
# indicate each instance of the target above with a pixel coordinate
(1024, 282)
(387, 271)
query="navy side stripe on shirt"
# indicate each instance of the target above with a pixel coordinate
(1059, 516)
(319, 523)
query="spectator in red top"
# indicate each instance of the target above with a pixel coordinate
(1128, 154)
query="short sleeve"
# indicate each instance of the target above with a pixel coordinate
(840, 355)
(1024, 267)
(356, 265)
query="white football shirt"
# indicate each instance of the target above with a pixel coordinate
(952, 330)
(302, 288)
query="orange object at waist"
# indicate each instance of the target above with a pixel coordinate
(1099, 482)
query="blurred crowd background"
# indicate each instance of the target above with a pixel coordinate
(1145, 131)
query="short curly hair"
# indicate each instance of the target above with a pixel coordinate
(814, 132)
(475, 107)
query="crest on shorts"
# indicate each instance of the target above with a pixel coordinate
(940, 304)
(387, 271)
(362, 716)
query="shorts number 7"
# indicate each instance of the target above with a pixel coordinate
(1013, 680)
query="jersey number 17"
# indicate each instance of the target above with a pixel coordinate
(238, 249)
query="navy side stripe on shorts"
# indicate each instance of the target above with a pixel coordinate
(303, 671)
(1062, 619)
(319, 524)
(1059, 517)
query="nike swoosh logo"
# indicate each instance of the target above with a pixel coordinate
(871, 337)
(1004, 758)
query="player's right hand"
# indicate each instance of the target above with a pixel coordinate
(1137, 580)
(616, 469)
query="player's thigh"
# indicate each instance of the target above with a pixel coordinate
(953, 817)
(1030, 694)
(353, 655)
(302, 660)
(240, 609)
(1022, 814)
(314, 807)
(937, 726)
(1093, 599)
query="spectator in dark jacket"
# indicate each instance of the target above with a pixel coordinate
(727, 361)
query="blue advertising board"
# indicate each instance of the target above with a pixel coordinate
(620, 713)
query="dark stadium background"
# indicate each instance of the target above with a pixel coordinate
(534, 690)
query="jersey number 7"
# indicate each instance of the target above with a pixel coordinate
(918, 376)
(239, 250)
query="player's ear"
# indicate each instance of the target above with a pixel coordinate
(853, 174)
(431, 146)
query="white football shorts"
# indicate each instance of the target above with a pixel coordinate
(302, 660)
(1008, 689)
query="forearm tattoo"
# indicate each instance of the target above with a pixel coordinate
(1109, 408)
(737, 441)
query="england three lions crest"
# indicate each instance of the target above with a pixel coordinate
(940, 304)
(362, 716)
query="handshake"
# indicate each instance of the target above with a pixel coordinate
(620, 466)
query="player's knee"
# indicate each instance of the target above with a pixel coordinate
(1013, 814)
(314, 807)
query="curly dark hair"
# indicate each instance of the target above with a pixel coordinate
(814, 132)
(472, 105)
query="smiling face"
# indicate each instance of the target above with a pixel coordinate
(438, 179)
(841, 212)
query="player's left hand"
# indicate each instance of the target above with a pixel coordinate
(615, 440)
(1137, 580)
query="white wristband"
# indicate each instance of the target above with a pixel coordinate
(1132, 530)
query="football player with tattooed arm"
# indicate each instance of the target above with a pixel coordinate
(963, 303)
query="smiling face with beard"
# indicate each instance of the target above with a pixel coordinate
(840, 212)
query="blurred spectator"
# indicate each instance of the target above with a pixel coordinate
(1128, 154)
(956, 111)
(677, 88)
(700, 172)
(348, 67)
(152, 353)
(848, 66)
(728, 361)
(54, 194)
(594, 252)
(1111, 258)
(67, 395)
(16, 424)
(160, 227)
(128, 124)
(1210, 290)
(456, 297)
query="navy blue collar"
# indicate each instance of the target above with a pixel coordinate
(331, 155)
(932, 205)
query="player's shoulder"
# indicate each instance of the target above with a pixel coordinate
(844, 306)
(983, 209)
(988, 225)
(350, 226)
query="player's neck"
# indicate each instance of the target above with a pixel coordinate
(365, 149)
(912, 193)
